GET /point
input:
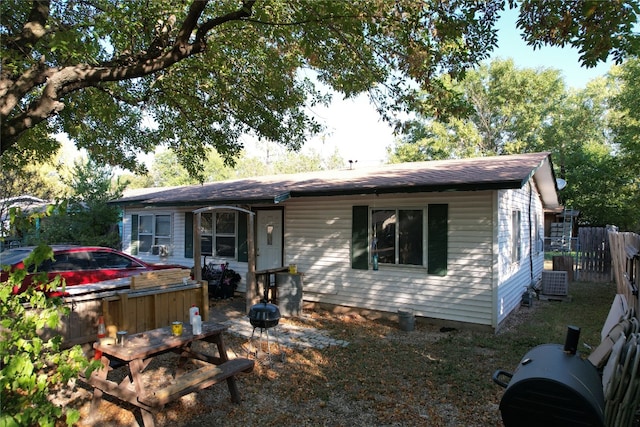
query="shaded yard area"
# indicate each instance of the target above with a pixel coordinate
(386, 377)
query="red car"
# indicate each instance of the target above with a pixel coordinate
(80, 264)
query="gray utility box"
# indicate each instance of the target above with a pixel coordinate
(289, 294)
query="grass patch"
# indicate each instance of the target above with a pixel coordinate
(548, 256)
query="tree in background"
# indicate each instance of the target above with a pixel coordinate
(120, 78)
(626, 102)
(40, 180)
(503, 110)
(585, 155)
(85, 218)
(312, 161)
(626, 130)
(510, 110)
(166, 170)
(271, 159)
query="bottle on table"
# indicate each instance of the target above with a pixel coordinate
(197, 324)
(192, 312)
(102, 333)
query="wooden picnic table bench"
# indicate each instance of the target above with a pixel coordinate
(140, 349)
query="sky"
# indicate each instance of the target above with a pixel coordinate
(354, 128)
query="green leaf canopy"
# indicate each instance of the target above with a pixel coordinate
(120, 77)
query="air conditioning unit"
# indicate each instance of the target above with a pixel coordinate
(555, 283)
(160, 250)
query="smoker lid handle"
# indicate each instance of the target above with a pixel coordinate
(496, 377)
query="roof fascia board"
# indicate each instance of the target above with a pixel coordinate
(542, 174)
(502, 185)
(203, 203)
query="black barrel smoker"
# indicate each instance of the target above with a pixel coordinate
(552, 387)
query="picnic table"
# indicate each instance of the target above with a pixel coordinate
(141, 348)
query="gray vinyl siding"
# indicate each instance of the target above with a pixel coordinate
(176, 248)
(318, 238)
(514, 277)
(176, 251)
(482, 286)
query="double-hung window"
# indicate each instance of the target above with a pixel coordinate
(219, 234)
(411, 236)
(153, 230)
(516, 236)
(398, 236)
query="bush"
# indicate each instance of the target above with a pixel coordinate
(31, 366)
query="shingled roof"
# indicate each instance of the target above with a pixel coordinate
(483, 173)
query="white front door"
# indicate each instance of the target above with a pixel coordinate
(268, 239)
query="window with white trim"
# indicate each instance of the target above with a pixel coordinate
(153, 230)
(516, 236)
(218, 234)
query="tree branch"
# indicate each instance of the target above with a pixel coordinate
(14, 88)
(244, 12)
(33, 29)
(60, 82)
(12, 91)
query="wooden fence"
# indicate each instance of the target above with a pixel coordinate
(124, 308)
(593, 261)
(625, 254)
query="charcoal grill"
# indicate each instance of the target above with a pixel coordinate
(264, 316)
(552, 386)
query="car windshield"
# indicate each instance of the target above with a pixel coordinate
(12, 256)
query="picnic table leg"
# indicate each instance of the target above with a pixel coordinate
(147, 418)
(231, 381)
(182, 360)
(135, 368)
(233, 389)
(101, 374)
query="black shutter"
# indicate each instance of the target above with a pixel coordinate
(360, 238)
(437, 239)
(134, 235)
(243, 250)
(188, 234)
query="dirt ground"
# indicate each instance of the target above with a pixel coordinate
(311, 388)
(433, 376)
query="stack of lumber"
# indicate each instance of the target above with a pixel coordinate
(157, 278)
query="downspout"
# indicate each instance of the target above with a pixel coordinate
(531, 240)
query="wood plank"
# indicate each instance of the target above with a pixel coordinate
(145, 344)
(197, 380)
(123, 320)
(139, 317)
(156, 312)
(182, 303)
(156, 278)
(173, 308)
(127, 309)
(114, 389)
(204, 301)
